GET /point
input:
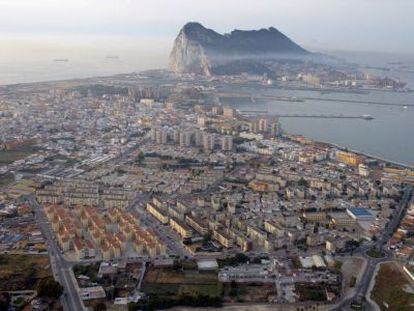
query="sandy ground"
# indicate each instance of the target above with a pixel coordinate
(351, 266)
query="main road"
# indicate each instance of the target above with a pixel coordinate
(62, 269)
(362, 288)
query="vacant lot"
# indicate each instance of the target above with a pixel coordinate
(392, 287)
(22, 187)
(310, 292)
(244, 292)
(9, 156)
(19, 272)
(173, 283)
(6, 180)
(351, 268)
(186, 276)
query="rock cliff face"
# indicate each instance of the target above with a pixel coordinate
(203, 51)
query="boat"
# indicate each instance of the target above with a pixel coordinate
(61, 60)
(367, 117)
(112, 57)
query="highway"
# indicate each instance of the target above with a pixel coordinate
(363, 285)
(62, 269)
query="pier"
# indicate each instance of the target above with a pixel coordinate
(312, 116)
(352, 101)
(254, 98)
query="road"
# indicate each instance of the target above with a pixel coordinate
(163, 232)
(363, 285)
(62, 269)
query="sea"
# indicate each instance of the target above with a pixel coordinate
(36, 58)
(390, 135)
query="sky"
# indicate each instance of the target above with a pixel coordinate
(354, 25)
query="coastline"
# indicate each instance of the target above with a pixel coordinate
(358, 152)
(361, 153)
(89, 78)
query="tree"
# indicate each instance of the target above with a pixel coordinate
(338, 266)
(99, 306)
(303, 182)
(49, 288)
(206, 238)
(241, 258)
(4, 301)
(140, 158)
(233, 289)
(352, 282)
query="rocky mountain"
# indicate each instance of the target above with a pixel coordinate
(203, 51)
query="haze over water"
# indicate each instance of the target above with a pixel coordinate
(389, 135)
(31, 58)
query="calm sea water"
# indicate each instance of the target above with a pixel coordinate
(31, 58)
(390, 135)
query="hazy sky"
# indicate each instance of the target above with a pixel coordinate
(368, 25)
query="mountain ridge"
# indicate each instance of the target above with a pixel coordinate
(200, 50)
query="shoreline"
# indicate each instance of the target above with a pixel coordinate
(358, 152)
(336, 145)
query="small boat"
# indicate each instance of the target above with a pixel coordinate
(112, 57)
(61, 60)
(367, 117)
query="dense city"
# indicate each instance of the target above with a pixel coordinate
(145, 191)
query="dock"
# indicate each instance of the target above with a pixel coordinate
(311, 116)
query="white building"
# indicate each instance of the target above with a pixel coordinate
(209, 141)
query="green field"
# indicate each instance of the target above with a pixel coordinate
(19, 272)
(392, 287)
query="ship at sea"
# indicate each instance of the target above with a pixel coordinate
(61, 60)
(112, 57)
(367, 117)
